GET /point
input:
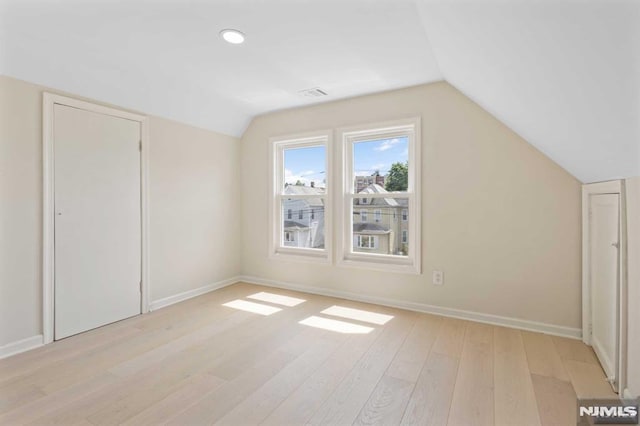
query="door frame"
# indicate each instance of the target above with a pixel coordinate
(608, 187)
(48, 216)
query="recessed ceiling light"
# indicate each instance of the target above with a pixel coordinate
(232, 36)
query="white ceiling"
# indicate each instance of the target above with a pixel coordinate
(562, 74)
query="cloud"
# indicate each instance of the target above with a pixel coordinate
(387, 144)
(291, 178)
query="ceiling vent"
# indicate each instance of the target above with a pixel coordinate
(316, 92)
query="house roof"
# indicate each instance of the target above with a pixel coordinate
(562, 74)
(377, 189)
(292, 225)
(306, 190)
(370, 228)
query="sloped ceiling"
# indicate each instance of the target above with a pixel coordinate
(563, 74)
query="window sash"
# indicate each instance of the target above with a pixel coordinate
(277, 215)
(409, 128)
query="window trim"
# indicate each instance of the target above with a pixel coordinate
(276, 248)
(346, 256)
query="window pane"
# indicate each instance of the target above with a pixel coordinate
(305, 227)
(381, 163)
(304, 167)
(378, 226)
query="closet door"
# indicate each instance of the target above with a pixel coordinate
(604, 263)
(97, 219)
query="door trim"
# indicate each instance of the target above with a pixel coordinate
(48, 224)
(609, 187)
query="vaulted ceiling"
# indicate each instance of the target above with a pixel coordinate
(563, 74)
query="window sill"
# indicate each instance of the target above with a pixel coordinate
(300, 255)
(386, 265)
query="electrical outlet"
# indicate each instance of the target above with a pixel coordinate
(438, 277)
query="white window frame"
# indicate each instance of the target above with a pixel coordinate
(277, 249)
(405, 214)
(405, 236)
(377, 215)
(364, 215)
(291, 235)
(346, 256)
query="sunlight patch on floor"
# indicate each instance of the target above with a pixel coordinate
(358, 315)
(277, 299)
(256, 308)
(335, 325)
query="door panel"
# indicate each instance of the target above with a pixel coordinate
(97, 219)
(604, 261)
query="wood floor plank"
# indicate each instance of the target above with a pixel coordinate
(451, 337)
(414, 351)
(311, 394)
(387, 403)
(473, 396)
(43, 407)
(431, 399)
(214, 405)
(257, 406)
(158, 413)
(391, 395)
(575, 350)
(542, 356)
(588, 380)
(556, 400)
(515, 401)
(345, 403)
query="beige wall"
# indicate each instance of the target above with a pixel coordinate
(195, 231)
(193, 185)
(633, 274)
(498, 217)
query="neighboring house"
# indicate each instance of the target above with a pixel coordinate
(363, 181)
(380, 225)
(303, 224)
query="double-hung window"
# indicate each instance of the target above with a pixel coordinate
(391, 153)
(300, 200)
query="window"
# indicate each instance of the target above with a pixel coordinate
(390, 153)
(367, 241)
(300, 184)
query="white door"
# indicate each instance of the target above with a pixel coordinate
(97, 219)
(604, 245)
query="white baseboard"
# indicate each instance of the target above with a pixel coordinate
(556, 330)
(20, 346)
(167, 301)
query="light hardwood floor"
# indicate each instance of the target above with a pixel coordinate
(199, 362)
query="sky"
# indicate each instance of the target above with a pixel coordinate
(307, 164)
